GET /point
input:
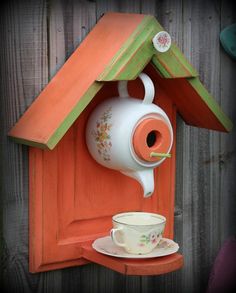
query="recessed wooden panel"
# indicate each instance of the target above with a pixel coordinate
(73, 198)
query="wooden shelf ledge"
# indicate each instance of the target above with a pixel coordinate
(138, 267)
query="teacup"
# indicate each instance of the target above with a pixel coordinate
(137, 232)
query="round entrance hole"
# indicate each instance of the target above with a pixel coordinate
(153, 138)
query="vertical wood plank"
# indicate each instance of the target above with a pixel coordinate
(184, 163)
(227, 157)
(201, 172)
(56, 37)
(23, 75)
(103, 6)
(148, 7)
(84, 18)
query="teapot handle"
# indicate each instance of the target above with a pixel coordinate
(148, 87)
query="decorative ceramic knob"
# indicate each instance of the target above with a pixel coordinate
(162, 41)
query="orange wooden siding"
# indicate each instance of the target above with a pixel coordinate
(72, 198)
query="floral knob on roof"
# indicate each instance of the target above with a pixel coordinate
(162, 41)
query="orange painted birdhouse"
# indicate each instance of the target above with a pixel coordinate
(78, 158)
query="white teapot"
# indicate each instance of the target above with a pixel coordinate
(130, 135)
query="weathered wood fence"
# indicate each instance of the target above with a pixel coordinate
(37, 36)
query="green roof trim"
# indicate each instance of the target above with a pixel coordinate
(137, 49)
(211, 103)
(173, 64)
(74, 114)
(133, 50)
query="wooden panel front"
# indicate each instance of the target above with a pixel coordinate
(73, 198)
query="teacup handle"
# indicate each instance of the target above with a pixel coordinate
(113, 236)
(148, 87)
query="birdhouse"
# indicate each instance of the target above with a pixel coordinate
(102, 139)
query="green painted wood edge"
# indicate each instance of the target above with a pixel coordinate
(67, 122)
(163, 72)
(136, 47)
(31, 143)
(139, 48)
(73, 115)
(138, 59)
(173, 64)
(211, 103)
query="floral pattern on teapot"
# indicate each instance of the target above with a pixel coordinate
(102, 136)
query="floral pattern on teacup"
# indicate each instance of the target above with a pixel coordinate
(102, 135)
(165, 244)
(151, 238)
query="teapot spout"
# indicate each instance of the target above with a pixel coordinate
(145, 177)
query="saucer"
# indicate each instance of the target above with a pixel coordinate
(106, 246)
